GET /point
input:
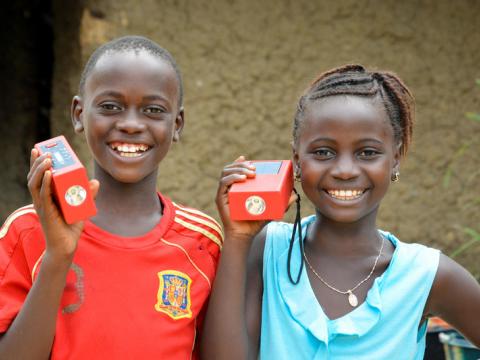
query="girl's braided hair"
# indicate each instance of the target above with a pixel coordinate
(357, 81)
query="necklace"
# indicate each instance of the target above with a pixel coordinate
(352, 299)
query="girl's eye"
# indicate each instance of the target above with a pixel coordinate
(110, 107)
(324, 153)
(154, 110)
(368, 154)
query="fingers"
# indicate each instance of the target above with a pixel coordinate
(46, 189)
(33, 156)
(238, 171)
(40, 164)
(239, 166)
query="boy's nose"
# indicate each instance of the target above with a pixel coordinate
(130, 123)
(345, 168)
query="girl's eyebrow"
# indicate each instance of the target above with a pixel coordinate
(370, 140)
(331, 140)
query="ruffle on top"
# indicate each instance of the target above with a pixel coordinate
(306, 310)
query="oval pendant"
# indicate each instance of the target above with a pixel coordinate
(352, 299)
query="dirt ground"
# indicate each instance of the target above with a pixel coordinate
(245, 63)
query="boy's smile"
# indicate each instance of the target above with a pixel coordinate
(346, 153)
(129, 150)
(130, 113)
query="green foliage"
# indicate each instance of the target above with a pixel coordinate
(449, 171)
(475, 238)
(473, 234)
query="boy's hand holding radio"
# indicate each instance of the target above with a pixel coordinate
(61, 238)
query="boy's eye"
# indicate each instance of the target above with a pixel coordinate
(154, 110)
(110, 107)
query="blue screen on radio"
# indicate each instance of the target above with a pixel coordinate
(267, 167)
(61, 157)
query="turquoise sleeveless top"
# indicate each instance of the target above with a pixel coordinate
(385, 326)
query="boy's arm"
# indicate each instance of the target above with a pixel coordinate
(455, 297)
(30, 336)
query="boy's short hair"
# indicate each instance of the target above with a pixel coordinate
(131, 43)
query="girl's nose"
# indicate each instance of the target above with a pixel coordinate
(130, 122)
(345, 168)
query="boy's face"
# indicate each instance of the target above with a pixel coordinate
(130, 113)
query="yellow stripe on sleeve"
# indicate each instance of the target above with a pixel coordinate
(12, 217)
(202, 231)
(197, 212)
(201, 221)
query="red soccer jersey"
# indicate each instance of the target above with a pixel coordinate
(129, 298)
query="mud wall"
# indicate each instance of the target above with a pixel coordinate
(245, 64)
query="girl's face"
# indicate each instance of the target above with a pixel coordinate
(130, 113)
(346, 153)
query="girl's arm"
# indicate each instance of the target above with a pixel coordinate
(232, 324)
(30, 336)
(455, 297)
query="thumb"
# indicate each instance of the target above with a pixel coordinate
(94, 186)
(293, 198)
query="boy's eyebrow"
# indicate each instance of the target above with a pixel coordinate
(110, 93)
(155, 97)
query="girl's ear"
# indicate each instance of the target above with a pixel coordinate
(179, 122)
(76, 113)
(397, 158)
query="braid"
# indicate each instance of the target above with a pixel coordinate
(357, 81)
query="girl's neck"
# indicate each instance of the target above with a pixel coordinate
(355, 239)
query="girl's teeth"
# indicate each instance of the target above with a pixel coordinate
(345, 194)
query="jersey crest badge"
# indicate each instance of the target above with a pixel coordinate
(173, 296)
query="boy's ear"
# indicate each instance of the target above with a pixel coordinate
(294, 156)
(179, 122)
(76, 113)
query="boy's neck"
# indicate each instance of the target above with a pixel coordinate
(127, 209)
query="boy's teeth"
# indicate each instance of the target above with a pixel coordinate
(345, 194)
(129, 150)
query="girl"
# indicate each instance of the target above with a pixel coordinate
(131, 282)
(335, 286)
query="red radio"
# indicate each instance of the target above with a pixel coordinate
(264, 197)
(70, 181)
